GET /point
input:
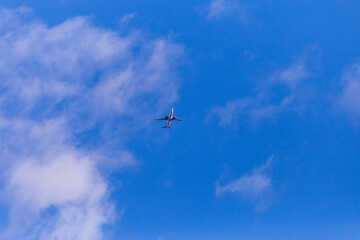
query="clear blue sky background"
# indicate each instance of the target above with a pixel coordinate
(314, 173)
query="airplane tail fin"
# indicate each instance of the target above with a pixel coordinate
(165, 127)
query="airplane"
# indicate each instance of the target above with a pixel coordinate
(169, 119)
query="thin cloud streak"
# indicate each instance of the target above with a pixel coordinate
(348, 100)
(256, 186)
(219, 9)
(264, 105)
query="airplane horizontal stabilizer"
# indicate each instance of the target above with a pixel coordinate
(165, 127)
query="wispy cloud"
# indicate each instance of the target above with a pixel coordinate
(225, 8)
(348, 101)
(256, 186)
(269, 100)
(127, 18)
(57, 83)
(58, 63)
(71, 185)
(55, 190)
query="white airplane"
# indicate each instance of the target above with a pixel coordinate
(169, 119)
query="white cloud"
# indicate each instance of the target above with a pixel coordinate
(57, 83)
(65, 178)
(256, 186)
(59, 63)
(225, 8)
(38, 61)
(127, 18)
(269, 100)
(70, 184)
(348, 101)
(141, 78)
(55, 190)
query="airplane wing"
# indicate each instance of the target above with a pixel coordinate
(176, 119)
(161, 119)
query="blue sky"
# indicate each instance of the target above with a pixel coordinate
(269, 92)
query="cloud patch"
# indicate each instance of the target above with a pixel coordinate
(60, 83)
(348, 101)
(54, 190)
(219, 9)
(255, 186)
(71, 185)
(281, 91)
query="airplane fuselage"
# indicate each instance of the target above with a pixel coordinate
(170, 118)
(171, 113)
